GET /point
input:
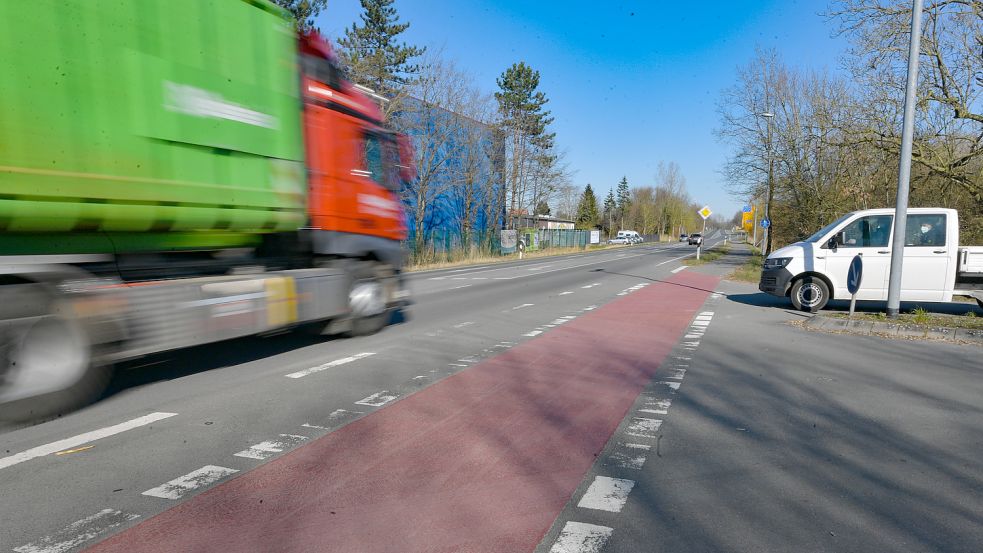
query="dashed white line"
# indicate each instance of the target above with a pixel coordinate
(533, 333)
(264, 450)
(78, 532)
(464, 324)
(673, 385)
(607, 494)
(85, 438)
(579, 537)
(457, 365)
(459, 287)
(568, 292)
(642, 427)
(516, 308)
(181, 486)
(335, 363)
(314, 426)
(630, 456)
(377, 399)
(677, 269)
(676, 374)
(657, 407)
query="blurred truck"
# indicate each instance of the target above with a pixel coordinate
(175, 173)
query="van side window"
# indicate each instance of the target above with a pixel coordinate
(925, 230)
(373, 159)
(872, 231)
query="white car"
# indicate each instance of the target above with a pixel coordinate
(621, 240)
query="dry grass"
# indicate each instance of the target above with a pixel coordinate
(708, 256)
(483, 258)
(750, 271)
(921, 318)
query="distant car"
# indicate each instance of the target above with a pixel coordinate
(683, 237)
(622, 240)
(696, 239)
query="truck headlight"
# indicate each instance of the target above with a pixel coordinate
(777, 262)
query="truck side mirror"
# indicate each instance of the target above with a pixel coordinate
(833, 242)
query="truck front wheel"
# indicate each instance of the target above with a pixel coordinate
(810, 294)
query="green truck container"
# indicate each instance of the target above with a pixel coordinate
(147, 125)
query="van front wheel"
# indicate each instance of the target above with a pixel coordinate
(809, 294)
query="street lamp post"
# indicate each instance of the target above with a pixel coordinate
(766, 239)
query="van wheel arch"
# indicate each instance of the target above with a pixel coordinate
(814, 282)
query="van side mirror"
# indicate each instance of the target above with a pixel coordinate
(833, 243)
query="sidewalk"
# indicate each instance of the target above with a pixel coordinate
(775, 438)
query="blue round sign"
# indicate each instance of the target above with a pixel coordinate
(765, 223)
(855, 275)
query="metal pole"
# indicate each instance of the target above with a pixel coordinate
(904, 164)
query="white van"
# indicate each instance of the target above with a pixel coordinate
(631, 236)
(935, 267)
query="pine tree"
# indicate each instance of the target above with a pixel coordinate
(609, 208)
(624, 199)
(542, 208)
(524, 123)
(587, 209)
(303, 11)
(371, 53)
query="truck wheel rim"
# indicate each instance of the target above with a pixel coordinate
(810, 295)
(366, 300)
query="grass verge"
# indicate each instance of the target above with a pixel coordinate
(481, 258)
(750, 271)
(921, 318)
(708, 256)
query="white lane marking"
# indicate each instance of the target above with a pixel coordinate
(533, 333)
(504, 278)
(591, 285)
(459, 287)
(590, 308)
(522, 306)
(81, 439)
(264, 450)
(709, 313)
(568, 292)
(579, 537)
(657, 406)
(677, 269)
(676, 374)
(643, 427)
(607, 494)
(437, 278)
(673, 385)
(459, 278)
(701, 323)
(340, 413)
(464, 324)
(314, 426)
(335, 363)
(377, 399)
(469, 269)
(182, 485)
(630, 456)
(78, 532)
(479, 278)
(539, 268)
(704, 317)
(457, 365)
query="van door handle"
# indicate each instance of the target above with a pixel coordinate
(883, 251)
(939, 251)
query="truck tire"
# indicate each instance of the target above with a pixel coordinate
(810, 294)
(368, 297)
(57, 346)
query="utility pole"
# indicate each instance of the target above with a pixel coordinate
(904, 164)
(766, 240)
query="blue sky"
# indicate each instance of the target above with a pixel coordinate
(630, 83)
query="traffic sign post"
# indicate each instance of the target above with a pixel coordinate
(705, 213)
(853, 279)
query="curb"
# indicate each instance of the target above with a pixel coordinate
(894, 330)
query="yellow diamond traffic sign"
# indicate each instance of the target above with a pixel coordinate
(705, 212)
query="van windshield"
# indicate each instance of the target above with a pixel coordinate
(825, 230)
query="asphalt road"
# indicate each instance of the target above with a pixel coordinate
(606, 402)
(220, 411)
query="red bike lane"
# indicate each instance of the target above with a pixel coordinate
(482, 461)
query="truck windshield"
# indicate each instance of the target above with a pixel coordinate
(823, 231)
